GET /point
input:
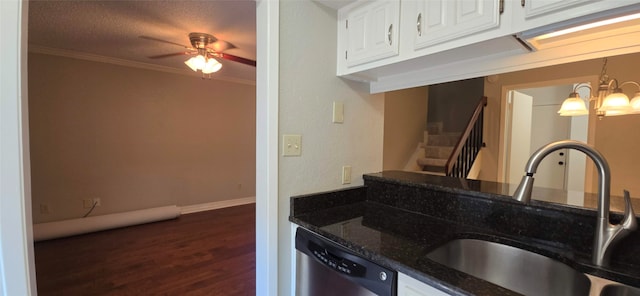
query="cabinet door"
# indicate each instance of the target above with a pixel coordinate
(535, 14)
(534, 8)
(408, 286)
(371, 31)
(438, 21)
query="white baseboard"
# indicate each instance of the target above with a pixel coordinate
(217, 205)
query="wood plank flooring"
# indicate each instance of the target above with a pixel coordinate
(206, 253)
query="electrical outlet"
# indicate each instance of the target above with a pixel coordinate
(97, 202)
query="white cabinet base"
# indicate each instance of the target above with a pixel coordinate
(408, 286)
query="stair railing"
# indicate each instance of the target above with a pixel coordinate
(468, 146)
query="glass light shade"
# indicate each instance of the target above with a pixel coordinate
(573, 106)
(191, 63)
(635, 103)
(211, 66)
(200, 62)
(616, 103)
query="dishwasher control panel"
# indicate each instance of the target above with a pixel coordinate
(336, 262)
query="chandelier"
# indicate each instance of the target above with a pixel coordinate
(611, 101)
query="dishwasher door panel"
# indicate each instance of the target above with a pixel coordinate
(315, 279)
(325, 268)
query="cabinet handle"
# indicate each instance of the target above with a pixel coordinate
(419, 24)
(522, 3)
(389, 33)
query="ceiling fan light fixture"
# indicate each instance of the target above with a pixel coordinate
(205, 47)
(212, 65)
(192, 64)
(200, 61)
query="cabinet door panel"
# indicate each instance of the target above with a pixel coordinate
(408, 286)
(372, 31)
(356, 33)
(535, 8)
(443, 20)
(435, 16)
(379, 26)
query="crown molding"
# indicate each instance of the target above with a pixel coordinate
(125, 63)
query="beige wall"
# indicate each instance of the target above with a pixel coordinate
(616, 137)
(135, 138)
(612, 136)
(308, 87)
(405, 120)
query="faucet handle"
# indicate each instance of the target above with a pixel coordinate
(629, 222)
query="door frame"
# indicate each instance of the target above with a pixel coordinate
(17, 264)
(504, 127)
(267, 103)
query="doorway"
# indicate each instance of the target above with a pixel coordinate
(532, 122)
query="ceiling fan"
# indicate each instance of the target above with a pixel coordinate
(204, 49)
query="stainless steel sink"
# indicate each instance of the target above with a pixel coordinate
(519, 270)
(619, 290)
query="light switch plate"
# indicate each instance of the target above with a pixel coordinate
(346, 174)
(291, 145)
(338, 112)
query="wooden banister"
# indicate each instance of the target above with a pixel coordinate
(468, 146)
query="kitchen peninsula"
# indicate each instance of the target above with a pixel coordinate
(397, 218)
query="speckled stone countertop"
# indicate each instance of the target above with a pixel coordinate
(397, 218)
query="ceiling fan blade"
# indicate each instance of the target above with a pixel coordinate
(169, 55)
(236, 59)
(220, 46)
(161, 40)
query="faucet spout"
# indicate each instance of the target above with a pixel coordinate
(606, 233)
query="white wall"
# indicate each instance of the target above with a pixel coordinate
(308, 86)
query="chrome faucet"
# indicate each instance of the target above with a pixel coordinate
(606, 234)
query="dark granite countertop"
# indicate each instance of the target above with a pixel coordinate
(397, 218)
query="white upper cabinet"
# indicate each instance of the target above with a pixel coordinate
(438, 21)
(395, 44)
(368, 31)
(533, 14)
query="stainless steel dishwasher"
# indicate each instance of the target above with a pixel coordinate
(325, 268)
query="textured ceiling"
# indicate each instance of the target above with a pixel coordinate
(111, 29)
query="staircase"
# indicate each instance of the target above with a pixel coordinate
(438, 146)
(452, 154)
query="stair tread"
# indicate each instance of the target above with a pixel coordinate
(434, 173)
(432, 161)
(439, 146)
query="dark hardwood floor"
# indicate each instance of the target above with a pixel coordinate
(206, 253)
